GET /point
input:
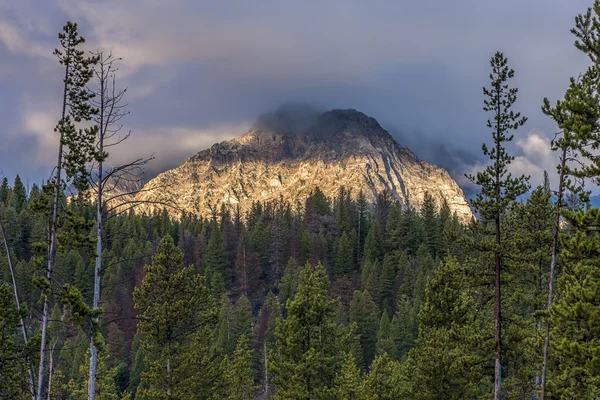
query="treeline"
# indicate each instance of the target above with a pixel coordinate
(335, 299)
(342, 300)
(241, 271)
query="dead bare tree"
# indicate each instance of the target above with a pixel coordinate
(110, 185)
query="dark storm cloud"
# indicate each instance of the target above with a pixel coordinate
(202, 71)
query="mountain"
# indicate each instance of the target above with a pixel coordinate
(290, 152)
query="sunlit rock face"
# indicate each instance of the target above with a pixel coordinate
(286, 156)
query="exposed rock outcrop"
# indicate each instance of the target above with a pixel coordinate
(286, 157)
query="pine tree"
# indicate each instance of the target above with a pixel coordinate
(385, 337)
(289, 281)
(4, 189)
(450, 360)
(577, 116)
(404, 327)
(216, 262)
(19, 195)
(344, 257)
(575, 317)
(309, 346)
(386, 284)
(383, 381)
(499, 189)
(173, 303)
(365, 314)
(372, 248)
(75, 150)
(11, 354)
(347, 383)
(429, 215)
(239, 374)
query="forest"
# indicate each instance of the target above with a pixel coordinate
(327, 298)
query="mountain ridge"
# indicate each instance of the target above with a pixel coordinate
(287, 157)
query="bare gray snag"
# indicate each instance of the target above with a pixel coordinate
(106, 182)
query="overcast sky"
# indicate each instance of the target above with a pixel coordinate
(199, 72)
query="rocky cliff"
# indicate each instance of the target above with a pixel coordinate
(287, 157)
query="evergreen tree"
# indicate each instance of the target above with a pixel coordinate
(12, 386)
(365, 314)
(575, 316)
(404, 327)
(372, 248)
(577, 116)
(216, 262)
(383, 381)
(385, 337)
(289, 281)
(450, 360)
(309, 346)
(18, 198)
(344, 257)
(386, 283)
(4, 189)
(173, 303)
(239, 374)
(499, 189)
(429, 215)
(347, 381)
(75, 150)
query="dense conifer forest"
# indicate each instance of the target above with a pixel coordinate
(327, 298)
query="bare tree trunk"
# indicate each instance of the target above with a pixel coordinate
(52, 240)
(16, 291)
(51, 369)
(266, 369)
(99, 227)
(498, 318)
(561, 184)
(169, 376)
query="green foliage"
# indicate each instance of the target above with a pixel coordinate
(216, 262)
(383, 381)
(575, 316)
(12, 367)
(451, 359)
(173, 303)
(309, 346)
(239, 374)
(365, 314)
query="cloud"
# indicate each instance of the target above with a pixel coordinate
(171, 146)
(534, 155)
(196, 68)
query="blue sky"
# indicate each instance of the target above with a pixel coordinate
(199, 72)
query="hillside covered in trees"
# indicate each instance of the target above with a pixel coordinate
(330, 298)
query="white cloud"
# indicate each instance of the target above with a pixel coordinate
(41, 125)
(535, 158)
(173, 145)
(16, 40)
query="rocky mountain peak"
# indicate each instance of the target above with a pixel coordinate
(293, 150)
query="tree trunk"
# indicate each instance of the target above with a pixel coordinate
(18, 303)
(51, 369)
(52, 240)
(561, 183)
(498, 315)
(169, 377)
(99, 227)
(266, 369)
